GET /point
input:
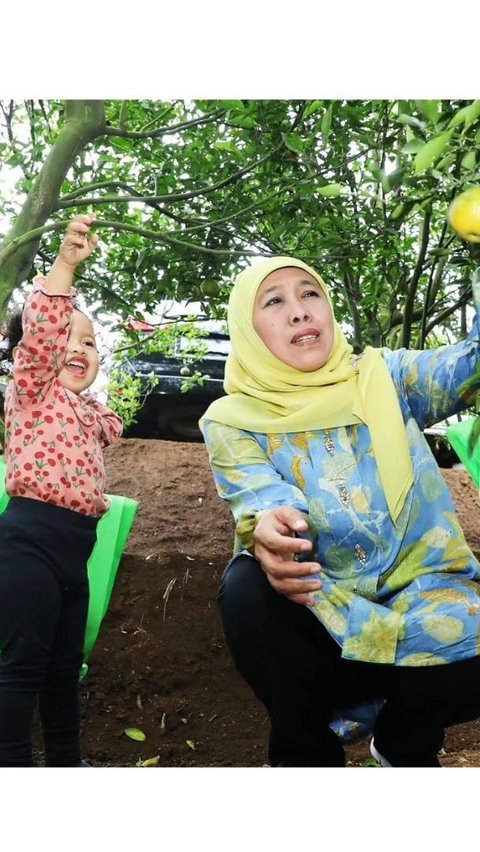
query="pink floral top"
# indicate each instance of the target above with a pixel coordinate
(54, 437)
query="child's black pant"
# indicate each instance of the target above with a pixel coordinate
(295, 669)
(44, 597)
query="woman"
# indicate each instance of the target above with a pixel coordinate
(352, 584)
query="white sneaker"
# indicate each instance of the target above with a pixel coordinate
(378, 757)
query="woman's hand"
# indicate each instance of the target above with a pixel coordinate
(277, 548)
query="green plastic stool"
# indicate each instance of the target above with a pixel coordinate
(458, 435)
(112, 533)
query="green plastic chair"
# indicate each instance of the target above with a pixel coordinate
(112, 534)
(458, 435)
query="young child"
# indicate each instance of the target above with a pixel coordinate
(54, 435)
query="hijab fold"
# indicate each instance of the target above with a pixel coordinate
(266, 395)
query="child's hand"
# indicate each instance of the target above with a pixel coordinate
(76, 246)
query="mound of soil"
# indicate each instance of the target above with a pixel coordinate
(160, 663)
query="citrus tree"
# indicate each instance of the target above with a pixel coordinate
(185, 193)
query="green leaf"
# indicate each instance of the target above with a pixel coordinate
(473, 112)
(440, 252)
(422, 204)
(429, 109)
(413, 146)
(446, 162)
(151, 761)
(293, 142)
(230, 147)
(312, 107)
(468, 161)
(120, 144)
(242, 119)
(431, 151)
(143, 256)
(331, 190)
(135, 734)
(233, 105)
(392, 180)
(397, 211)
(411, 120)
(375, 171)
(326, 124)
(458, 118)
(467, 114)
(409, 134)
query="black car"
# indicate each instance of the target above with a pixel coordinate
(167, 412)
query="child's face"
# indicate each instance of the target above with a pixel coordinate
(294, 319)
(81, 357)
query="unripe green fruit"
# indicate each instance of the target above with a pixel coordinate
(210, 288)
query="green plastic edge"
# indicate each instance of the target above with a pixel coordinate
(458, 435)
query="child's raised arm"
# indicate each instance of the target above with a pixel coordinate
(75, 248)
(46, 317)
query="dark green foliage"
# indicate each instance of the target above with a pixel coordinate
(186, 192)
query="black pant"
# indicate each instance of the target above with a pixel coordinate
(295, 669)
(44, 597)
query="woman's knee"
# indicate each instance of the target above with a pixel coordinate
(244, 586)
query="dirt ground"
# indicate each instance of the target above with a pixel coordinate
(160, 663)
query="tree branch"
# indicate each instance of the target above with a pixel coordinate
(434, 281)
(102, 184)
(157, 236)
(353, 298)
(84, 121)
(158, 117)
(106, 288)
(161, 131)
(174, 196)
(447, 312)
(412, 287)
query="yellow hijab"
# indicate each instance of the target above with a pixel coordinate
(266, 395)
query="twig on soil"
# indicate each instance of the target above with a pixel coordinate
(185, 580)
(166, 595)
(140, 628)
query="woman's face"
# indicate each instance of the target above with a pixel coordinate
(293, 318)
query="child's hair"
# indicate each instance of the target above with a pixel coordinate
(12, 336)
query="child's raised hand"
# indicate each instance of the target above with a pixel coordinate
(76, 245)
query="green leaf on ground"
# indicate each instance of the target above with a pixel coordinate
(135, 734)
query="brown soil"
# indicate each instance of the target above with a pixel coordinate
(160, 663)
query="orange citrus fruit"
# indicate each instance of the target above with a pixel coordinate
(464, 215)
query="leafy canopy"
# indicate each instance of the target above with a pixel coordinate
(187, 192)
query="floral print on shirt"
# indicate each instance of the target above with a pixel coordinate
(405, 593)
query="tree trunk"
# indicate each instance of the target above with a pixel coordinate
(84, 121)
